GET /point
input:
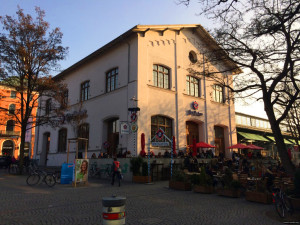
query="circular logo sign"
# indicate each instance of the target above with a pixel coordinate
(195, 105)
(134, 127)
(159, 134)
(106, 144)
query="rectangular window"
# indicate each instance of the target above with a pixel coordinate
(13, 94)
(112, 80)
(161, 77)
(48, 106)
(218, 94)
(85, 90)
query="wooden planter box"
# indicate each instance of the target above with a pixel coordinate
(178, 185)
(141, 179)
(203, 189)
(295, 202)
(229, 193)
(254, 196)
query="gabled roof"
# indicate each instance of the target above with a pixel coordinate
(143, 29)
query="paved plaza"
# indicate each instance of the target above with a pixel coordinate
(146, 204)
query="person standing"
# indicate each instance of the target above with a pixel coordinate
(116, 171)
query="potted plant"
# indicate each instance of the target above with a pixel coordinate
(135, 168)
(294, 197)
(260, 194)
(179, 181)
(231, 187)
(202, 183)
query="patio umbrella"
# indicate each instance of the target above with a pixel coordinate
(174, 146)
(143, 153)
(238, 145)
(202, 144)
(194, 147)
(254, 147)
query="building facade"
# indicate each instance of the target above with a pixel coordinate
(10, 130)
(141, 83)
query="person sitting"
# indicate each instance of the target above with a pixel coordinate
(93, 156)
(180, 154)
(159, 155)
(267, 173)
(167, 154)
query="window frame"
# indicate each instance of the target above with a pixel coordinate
(218, 94)
(62, 140)
(83, 134)
(168, 124)
(84, 91)
(112, 77)
(156, 78)
(48, 106)
(11, 126)
(13, 95)
(10, 111)
(194, 84)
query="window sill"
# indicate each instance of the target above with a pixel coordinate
(219, 103)
(191, 96)
(161, 89)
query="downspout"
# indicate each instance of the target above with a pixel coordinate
(205, 103)
(128, 77)
(176, 91)
(229, 113)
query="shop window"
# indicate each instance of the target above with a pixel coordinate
(162, 122)
(161, 77)
(12, 108)
(218, 93)
(84, 91)
(62, 140)
(83, 132)
(112, 80)
(192, 86)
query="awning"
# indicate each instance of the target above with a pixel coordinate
(285, 140)
(293, 141)
(252, 136)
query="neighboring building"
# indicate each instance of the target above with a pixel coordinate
(139, 83)
(10, 130)
(255, 130)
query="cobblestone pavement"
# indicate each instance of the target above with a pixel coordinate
(146, 205)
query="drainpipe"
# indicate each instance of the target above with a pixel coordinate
(229, 114)
(205, 103)
(176, 90)
(128, 77)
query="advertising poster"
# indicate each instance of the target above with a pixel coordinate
(81, 170)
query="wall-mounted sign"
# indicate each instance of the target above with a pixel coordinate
(134, 127)
(125, 128)
(195, 105)
(159, 134)
(106, 144)
(133, 117)
(193, 113)
(160, 144)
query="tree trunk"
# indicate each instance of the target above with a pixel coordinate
(281, 147)
(21, 160)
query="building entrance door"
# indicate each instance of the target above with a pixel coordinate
(192, 132)
(219, 141)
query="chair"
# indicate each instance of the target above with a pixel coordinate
(243, 179)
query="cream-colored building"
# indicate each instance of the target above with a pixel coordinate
(146, 68)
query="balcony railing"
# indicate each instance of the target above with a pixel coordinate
(9, 133)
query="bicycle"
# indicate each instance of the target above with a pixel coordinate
(107, 172)
(47, 177)
(94, 171)
(282, 203)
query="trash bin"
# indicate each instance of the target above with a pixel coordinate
(113, 211)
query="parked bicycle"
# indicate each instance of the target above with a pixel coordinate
(282, 203)
(107, 173)
(43, 176)
(94, 172)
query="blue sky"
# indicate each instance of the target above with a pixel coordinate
(89, 24)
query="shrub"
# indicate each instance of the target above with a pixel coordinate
(144, 169)
(203, 179)
(179, 175)
(135, 165)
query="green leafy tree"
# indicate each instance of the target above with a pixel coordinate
(28, 54)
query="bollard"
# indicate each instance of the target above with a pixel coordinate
(113, 211)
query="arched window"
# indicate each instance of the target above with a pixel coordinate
(218, 93)
(12, 108)
(62, 140)
(7, 148)
(161, 77)
(10, 126)
(112, 80)
(192, 86)
(83, 132)
(162, 122)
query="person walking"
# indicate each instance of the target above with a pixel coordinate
(116, 171)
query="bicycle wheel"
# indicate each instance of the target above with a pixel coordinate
(50, 180)
(280, 207)
(33, 179)
(288, 204)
